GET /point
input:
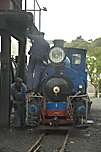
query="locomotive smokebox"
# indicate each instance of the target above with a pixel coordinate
(57, 87)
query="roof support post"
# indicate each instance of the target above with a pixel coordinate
(5, 79)
(22, 59)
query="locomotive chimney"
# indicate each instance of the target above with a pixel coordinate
(59, 43)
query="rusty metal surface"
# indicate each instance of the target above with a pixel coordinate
(20, 16)
(5, 4)
(16, 22)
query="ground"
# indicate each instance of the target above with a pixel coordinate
(80, 140)
(89, 139)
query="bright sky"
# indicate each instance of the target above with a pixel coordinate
(67, 19)
(72, 18)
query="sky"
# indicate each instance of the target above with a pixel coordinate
(67, 19)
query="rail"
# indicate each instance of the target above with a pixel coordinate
(40, 143)
(64, 144)
(35, 147)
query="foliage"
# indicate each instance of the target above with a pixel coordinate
(78, 43)
(93, 71)
(97, 42)
(93, 47)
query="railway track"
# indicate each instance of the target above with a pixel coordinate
(55, 142)
(37, 145)
(64, 143)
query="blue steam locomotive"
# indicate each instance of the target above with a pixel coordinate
(63, 95)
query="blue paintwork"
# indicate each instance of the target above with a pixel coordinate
(80, 68)
(56, 105)
(70, 73)
(34, 108)
(80, 110)
(76, 72)
(74, 76)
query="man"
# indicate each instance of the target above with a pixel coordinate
(18, 95)
(38, 57)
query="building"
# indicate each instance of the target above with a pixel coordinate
(10, 4)
(13, 23)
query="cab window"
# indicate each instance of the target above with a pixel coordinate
(76, 58)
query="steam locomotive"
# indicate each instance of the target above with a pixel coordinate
(63, 98)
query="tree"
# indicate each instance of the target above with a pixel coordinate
(79, 42)
(97, 42)
(93, 73)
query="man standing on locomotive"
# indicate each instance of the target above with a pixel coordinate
(18, 96)
(37, 61)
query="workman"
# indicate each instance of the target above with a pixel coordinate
(18, 95)
(37, 61)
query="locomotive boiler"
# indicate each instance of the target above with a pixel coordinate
(62, 96)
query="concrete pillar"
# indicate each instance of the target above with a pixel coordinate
(5, 79)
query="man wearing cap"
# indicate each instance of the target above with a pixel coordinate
(38, 57)
(18, 95)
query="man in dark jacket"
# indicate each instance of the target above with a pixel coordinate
(38, 57)
(18, 96)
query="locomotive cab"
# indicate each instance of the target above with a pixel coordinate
(77, 58)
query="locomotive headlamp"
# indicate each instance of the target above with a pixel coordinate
(57, 55)
(56, 90)
(80, 86)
